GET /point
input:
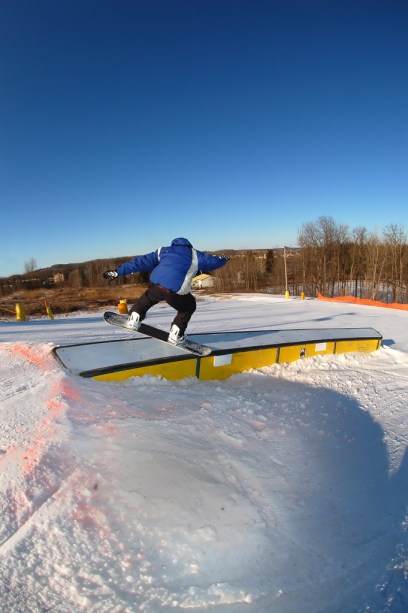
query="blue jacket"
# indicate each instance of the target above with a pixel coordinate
(173, 267)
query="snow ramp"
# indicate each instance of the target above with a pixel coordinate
(232, 353)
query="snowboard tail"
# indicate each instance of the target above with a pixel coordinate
(189, 345)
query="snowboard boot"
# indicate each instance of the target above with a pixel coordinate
(134, 321)
(174, 336)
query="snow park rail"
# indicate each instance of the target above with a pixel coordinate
(232, 353)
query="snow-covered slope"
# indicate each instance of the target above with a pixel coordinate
(281, 490)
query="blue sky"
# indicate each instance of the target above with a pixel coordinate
(126, 123)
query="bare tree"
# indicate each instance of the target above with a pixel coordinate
(375, 262)
(30, 265)
(357, 258)
(325, 246)
(396, 257)
(270, 261)
(341, 257)
(310, 242)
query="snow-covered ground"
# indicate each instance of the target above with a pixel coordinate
(279, 490)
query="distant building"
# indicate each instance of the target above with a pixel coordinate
(58, 277)
(203, 281)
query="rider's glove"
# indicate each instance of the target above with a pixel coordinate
(110, 274)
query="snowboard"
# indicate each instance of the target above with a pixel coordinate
(161, 335)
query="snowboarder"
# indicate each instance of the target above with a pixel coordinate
(172, 271)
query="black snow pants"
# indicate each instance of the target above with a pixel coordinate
(185, 304)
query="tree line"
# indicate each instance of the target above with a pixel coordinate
(330, 258)
(338, 261)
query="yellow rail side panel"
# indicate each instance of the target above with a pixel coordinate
(306, 350)
(171, 370)
(362, 345)
(213, 367)
(223, 366)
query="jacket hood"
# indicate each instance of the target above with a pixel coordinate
(181, 241)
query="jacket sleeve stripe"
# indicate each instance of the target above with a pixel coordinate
(191, 273)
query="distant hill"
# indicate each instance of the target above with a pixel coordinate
(90, 273)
